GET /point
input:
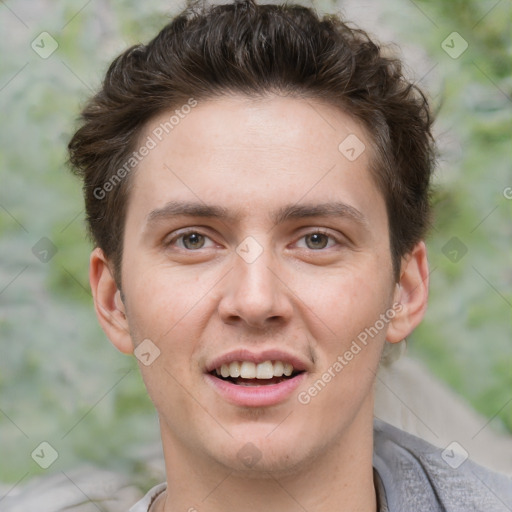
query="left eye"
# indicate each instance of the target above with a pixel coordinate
(318, 240)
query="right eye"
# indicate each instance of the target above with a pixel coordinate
(190, 240)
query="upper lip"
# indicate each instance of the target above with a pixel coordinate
(256, 357)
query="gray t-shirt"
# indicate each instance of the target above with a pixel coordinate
(413, 475)
(417, 476)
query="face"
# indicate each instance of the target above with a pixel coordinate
(253, 246)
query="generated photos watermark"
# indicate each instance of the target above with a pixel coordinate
(151, 142)
(357, 345)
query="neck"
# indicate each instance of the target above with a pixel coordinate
(338, 477)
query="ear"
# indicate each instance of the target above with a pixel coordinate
(109, 307)
(412, 293)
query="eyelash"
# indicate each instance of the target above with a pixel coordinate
(195, 231)
(184, 234)
(324, 233)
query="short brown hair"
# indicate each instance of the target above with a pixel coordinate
(257, 50)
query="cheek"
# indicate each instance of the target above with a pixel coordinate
(163, 300)
(165, 307)
(349, 339)
(345, 301)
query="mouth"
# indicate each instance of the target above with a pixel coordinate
(263, 381)
(248, 373)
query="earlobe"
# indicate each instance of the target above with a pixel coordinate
(108, 304)
(411, 293)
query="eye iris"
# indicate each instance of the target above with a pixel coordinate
(193, 241)
(319, 241)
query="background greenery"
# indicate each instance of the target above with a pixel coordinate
(62, 382)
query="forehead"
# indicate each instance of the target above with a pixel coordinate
(254, 156)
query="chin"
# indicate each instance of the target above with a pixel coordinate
(255, 453)
(274, 464)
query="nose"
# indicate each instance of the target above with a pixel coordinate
(256, 294)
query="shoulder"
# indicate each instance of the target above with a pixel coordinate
(144, 503)
(419, 476)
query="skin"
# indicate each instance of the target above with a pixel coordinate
(254, 157)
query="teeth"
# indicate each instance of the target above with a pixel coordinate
(249, 370)
(278, 369)
(224, 370)
(265, 370)
(234, 369)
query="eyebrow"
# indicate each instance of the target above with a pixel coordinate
(335, 209)
(285, 213)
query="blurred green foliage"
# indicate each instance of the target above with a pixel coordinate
(466, 336)
(56, 364)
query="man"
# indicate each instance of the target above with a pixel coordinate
(257, 187)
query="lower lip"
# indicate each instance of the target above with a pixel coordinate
(255, 396)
